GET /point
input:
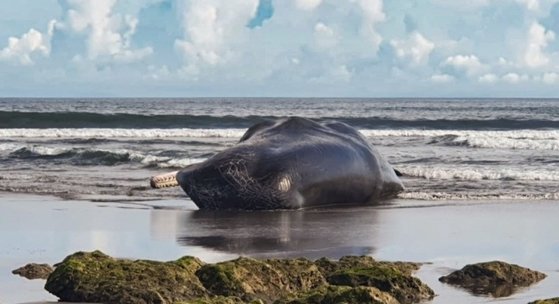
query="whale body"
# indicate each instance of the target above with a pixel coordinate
(290, 164)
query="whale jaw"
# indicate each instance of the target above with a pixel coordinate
(164, 180)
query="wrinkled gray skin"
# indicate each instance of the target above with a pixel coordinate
(289, 164)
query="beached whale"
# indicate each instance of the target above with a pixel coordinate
(289, 164)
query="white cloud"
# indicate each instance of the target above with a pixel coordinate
(538, 39)
(442, 78)
(532, 5)
(325, 36)
(372, 14)
(211, 28)
(21, 49)
(109, 34)
(488, 78)
(415, 47)
(515, 78)
(467, 63)
(550, 78)
(307, 5)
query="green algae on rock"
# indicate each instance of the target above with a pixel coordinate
(33, 271)
(546, 301)
(341, 295)
(260, 279)
(96, 277)
(391, 277)
(496, 278)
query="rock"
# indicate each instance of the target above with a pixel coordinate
(34, 271)
(393, 278)
(96, 277)
(497, 278)
(260, 279)
(546, 301)
(341, 294)
(221, 300)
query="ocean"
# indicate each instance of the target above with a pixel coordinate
(447, 149)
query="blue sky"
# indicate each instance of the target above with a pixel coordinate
(361, 48)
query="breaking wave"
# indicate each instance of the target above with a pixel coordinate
(95, 157)
(475, 174)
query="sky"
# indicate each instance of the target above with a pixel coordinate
(279, 48)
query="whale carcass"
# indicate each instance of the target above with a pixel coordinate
(289, 164)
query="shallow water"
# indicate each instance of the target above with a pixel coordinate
(445, 235)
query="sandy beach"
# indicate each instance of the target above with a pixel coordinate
(444, 235)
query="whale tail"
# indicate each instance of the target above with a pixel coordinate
(164, 180)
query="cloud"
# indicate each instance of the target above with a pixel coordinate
(372, 14)
(515, 78)
(470, 64)
(442, 78)
(488, 78)
(533, 5)
(324, 35)
(21, 49)
(538, 39)
(108, 34)
(307, 5)
(211, 28)
(415, 47)
(550, 78)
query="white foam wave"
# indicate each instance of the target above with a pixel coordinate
(444, 196)
(120, 133)
(511, 134)
(475, 174)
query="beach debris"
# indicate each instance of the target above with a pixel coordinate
(546, 301)
(33, 271)
(97, 277)
(496, 278)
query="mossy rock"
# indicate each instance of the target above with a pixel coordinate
(496, 278)
(221, 300)
(33, 271)
(341, 295)
(260, 279)
(391, 277)
(546, 301)
(328, 267)
(96, 277)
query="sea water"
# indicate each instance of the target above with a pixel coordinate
(447, 149)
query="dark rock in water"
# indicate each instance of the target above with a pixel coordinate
(546, 301)
(496, 278)
(34, 271)
(96, 277)
(261, 279)
(341, 294)
(391, 277)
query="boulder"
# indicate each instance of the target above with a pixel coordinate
(496, 278)
(391, 277)
(341, 295)
(34, 271)
(261, 279)
(96, 277)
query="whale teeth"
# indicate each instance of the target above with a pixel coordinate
(164, 180)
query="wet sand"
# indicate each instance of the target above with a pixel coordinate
(445, 235)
